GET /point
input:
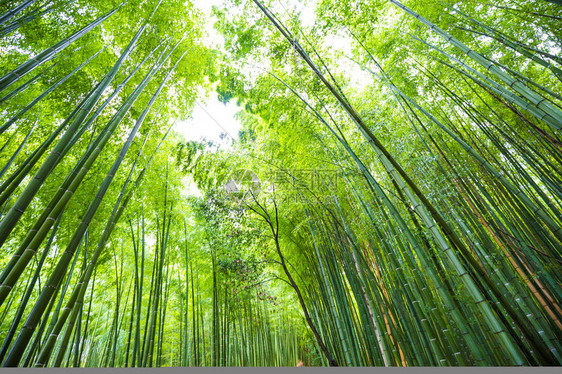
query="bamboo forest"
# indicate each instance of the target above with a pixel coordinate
(280, 183)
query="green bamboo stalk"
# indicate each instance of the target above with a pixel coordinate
(41, 96)
(34, 238)
(25, 85)
(122, 201)
(27, 296)
(51, 52)
(492, 67)
(17, 152)
(22, 341)
(78, 172)
(17, 9)
(518, 48)
(21, 21)
(12, 217)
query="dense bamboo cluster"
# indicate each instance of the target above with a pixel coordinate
(440, 244)
(488, 247)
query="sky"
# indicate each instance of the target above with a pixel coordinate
(210, 117)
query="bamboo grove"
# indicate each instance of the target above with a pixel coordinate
(392, 198)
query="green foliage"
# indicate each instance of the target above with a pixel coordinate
(398, 161)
